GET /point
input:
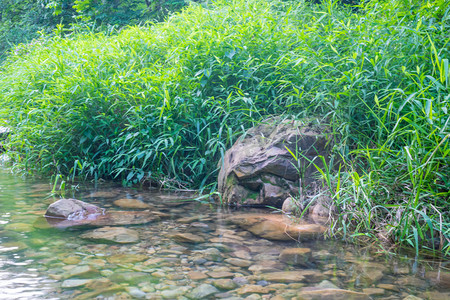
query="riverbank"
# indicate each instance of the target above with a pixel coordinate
(160, 105)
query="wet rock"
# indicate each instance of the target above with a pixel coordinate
(277, 227)
(335, 294)
(136, 293)
(252, 289)
(73, 209)
(374, 291)
(72, 260)
(113, 218)
(81, 272)
(91, 295)
(291, 206)
(240, 280)
(387, 286)
(73, 283)
(225, 284)
(220, 274)
(259, 169)
(126, 258)
(19, 227)
(174, 293)
(242, 254)
(129, 277)
(194, 275)
(435, 295)
(187, 238)
(113, 235)
(294, 276)
(211, 254)
(296, 256)
(99, 284)
(411, 297)
(103, 194)
(441, 279)
(202, 291)
(131, 203)
(266, 266)
(238, 262)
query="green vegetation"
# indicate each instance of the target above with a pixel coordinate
(24, 20)
(162, 103)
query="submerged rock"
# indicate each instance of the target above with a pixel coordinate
(260, 169)
(277, 227)
(202, 291)
(131, 203)
(112, 234)
(296, 256)
(187, 238)
(73, 209)
(113, 218)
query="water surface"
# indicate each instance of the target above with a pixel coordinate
(49, 263)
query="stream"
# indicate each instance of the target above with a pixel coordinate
(221, 261)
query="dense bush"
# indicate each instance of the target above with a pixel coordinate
(162, 103)
(24, 20)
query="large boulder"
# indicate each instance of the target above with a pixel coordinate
(260, 168)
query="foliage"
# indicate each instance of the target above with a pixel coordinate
(161, 103)
(22, 21)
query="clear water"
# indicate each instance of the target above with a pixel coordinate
(37, 263)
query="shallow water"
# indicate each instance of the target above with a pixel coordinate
(230, 263)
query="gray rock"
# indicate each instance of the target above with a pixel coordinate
(129, 277)
(136, 293)
(202, 291)
(72, 283)
(81, 272)
(73, 209)
(113, 218)
(260, 170)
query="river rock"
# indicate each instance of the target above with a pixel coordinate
(126, 258)
(73, 209)
(187, 238)
(238, 262)
(19, 227)
(81, 272)
(113, 218)
(335, 294)
(252, 289)
(225, 284)
(131, 203)
(73, 283)
(118, 235)
(296, 256)
(202, 291)
(277, 227)
(294, 276)
(260, 169)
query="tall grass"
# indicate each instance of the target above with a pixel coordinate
(162, 103)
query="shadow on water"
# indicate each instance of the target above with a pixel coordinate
(192, 251)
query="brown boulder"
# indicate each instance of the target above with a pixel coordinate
(277, 227)
(260, 169)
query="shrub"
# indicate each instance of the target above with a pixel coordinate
(162, 103)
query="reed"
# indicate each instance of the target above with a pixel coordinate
(161, 103)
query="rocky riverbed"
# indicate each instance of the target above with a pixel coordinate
(191, 251)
